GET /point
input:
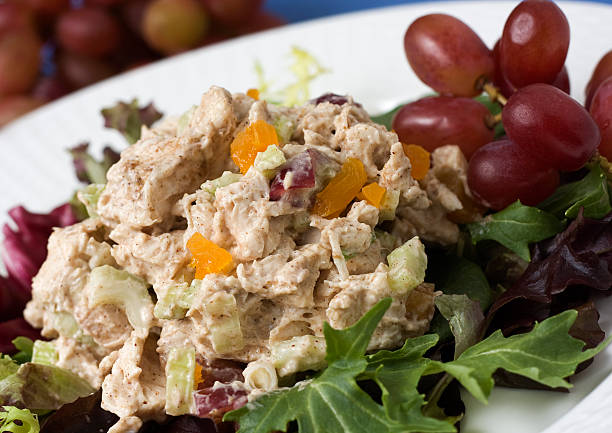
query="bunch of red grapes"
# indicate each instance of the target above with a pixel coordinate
(546, 131)
(51, 47)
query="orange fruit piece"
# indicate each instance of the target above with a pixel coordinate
(248, 143)
(253, 93)
(341, 190)
(208, 257)
(373, 194)
(419, 159)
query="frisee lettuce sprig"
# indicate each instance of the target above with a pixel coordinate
(333, 402)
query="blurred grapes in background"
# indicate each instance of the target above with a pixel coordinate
(49, 48)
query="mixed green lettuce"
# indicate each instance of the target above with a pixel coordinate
(333, 400)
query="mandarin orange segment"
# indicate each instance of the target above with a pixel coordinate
(419, 159)
(341, 190)
(253, 93)
(248, 143)
(208, 257)
(197, 376)
(373, 194)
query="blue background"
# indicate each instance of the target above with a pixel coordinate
(300, 10)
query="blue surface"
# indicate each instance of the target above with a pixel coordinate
(300, 10)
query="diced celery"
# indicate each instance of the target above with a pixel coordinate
(389, 205)
(227, 178)
(15, 420)
(284, 129)
(176, 301)
(107, 285)
(89, 196)
(306, 352)
(407, 265)
(180, 377)
(67, 326)
(269, 160)
(44, 352)
(224, 323)
(183, 121)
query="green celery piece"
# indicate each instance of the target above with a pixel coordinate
(15, 420)
(386, 119)
(183, 121)
(227, 178)
(180, 377)
(177, 300)
(269, 160)
(546, 354)
(25, 346)
(39, 386)
(44, 352)
(407, 265)
(332, 402)
(89, 196)
(591, 193)
(516, 227)
(398, 373)
(465, 318)
(285, 128)
(305, 352)
(223, 320)
(108, 285)
(389, 205)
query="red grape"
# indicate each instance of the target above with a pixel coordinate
(232, 12)
(262, 21)
(19, 62)
(15, 17)
(133, 12)
(447, 55)
(48, 7)
(81, 71)
(172, 26)
(14, 106)
(435, 121)
(601, 110)
(500, 173)
(49, 88)
(602, 71)
(500, 80)
(88, 31)
(534, 43)
(551, 126)
(562, 81)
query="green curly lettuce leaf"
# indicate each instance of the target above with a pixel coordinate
(516, 227)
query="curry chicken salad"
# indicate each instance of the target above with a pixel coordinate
(228, 236)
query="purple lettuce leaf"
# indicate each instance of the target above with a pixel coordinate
(87, 168)
(23, 251)
(11, 329)
(128, 118)
(564, 272)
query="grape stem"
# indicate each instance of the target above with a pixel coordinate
(492, 120)
(494, 93)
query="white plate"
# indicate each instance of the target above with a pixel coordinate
(364, 52)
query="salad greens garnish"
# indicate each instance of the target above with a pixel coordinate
(591, 193)
(577, 257)
(516, 227)
(25, 347)
(39, 386)
(87, 168)
(333, 401)
(304, 67)
(15, 420)
(129, 117)
(465, 319)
